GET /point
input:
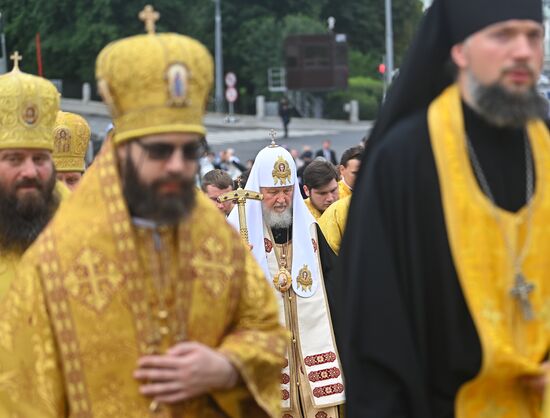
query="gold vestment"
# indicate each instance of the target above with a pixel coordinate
(87, 304)
(9, 261)
(512, 346)
(316, 213)
(333, 222)
(343, 189)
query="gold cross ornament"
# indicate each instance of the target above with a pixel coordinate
(149, 16)
(273, 135)
(240, 197)
(15, 57)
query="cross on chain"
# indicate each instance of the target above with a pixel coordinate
(520, 292)
(15, 57)
(149, 16)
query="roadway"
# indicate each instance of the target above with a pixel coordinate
(248, 135)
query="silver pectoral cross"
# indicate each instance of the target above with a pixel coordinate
(520, 292)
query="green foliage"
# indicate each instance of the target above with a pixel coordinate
(74, 31)
(367, 91)
(361, 64)
(300, 23)
(258, 45)
(364, 22)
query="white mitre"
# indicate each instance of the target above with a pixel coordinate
(275, 167)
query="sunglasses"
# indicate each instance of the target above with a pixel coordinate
(162, 151)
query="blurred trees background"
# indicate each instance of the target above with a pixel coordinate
(74, 31)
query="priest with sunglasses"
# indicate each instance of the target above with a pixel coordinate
(151, 305)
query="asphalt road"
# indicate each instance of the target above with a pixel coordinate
(248, 141)
(341, 141)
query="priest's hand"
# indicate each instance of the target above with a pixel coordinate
(187, 370)
(538, 383)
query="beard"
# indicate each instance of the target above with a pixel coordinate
(22, 219)
(277, 220)
(145, 201)
(504, 108)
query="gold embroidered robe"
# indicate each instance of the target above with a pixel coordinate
(83, 310)
(512, 346)
(9, 261)
(312, 209)
(333, 222)
(343, 189)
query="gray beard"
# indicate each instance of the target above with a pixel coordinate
(502, 108)
(277, 220)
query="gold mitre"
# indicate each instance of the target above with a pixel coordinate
(155, 83)
(71, 135)
(28, 107)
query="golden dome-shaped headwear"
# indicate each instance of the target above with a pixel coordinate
(71, 136)
(28, 109)
(155, 83)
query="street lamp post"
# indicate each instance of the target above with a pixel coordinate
(219, 58)
(4, 58)
(389, 43)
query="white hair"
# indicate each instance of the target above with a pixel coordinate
(277, 220)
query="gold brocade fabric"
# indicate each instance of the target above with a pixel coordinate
(167, 92)
(312, 209)
(82, 311)
(333, 222)
(343, 189)
(9, 261)
(511, 346)
(28, 105)
(8, 265)
(71, 137)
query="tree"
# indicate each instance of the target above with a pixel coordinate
(258, 45)
(74, 31)
(364, 22)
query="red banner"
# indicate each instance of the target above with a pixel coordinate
(39, 55)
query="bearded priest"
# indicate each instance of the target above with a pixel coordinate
(29, 195)
(139, 300)
(296, 259)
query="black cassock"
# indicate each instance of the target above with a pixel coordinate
(406, 337)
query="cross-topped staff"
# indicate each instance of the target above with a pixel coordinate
(149, 16)
(240, 197)
(15, 57)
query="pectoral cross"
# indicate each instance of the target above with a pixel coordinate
(240, 197)
(149, 16)
(15, 57)
(520, 292)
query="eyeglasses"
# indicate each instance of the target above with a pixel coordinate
(162, 151)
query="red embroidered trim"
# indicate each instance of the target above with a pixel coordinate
(285, 395)
(268, 245)
(287, 416)
(285, 379)
(328, 390)
(314, 245)
(320, 359)
(324, 374)
(321, 414)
